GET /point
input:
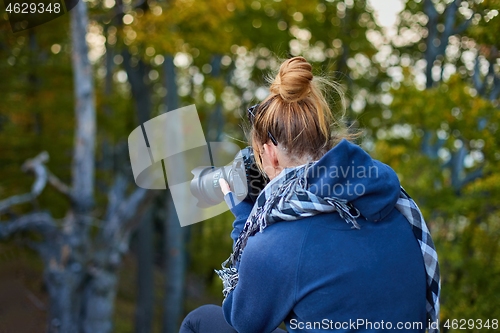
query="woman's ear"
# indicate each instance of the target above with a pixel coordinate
(272, 154)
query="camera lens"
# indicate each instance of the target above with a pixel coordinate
(205, 186)
(243, 176)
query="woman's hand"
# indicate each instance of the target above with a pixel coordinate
(224, 186)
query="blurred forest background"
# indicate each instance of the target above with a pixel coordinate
(82, 249)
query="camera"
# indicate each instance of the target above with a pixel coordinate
(244, 178)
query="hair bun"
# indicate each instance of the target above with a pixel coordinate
(293, 82)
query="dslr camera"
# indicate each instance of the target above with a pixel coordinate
(244, 178)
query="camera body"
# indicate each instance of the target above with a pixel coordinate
(244, 178)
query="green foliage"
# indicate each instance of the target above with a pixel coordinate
(470, 264)
(485, 31)
(445, 145)
(461, 209)
(210, 245)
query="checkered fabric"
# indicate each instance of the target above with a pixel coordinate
(409, 209)
(286, 198)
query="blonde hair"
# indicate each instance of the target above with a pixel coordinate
(297, 114)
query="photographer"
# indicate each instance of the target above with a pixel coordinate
(324, 243)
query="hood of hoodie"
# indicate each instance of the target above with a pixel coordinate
(349, 173)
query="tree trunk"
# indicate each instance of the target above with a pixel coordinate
(175, 262)
(83, 157)
(216, 119)
(141, 92)
(145, 282)
(62, 285)
(99, 297)
(174, 252)
(171, 99)
(65, 257)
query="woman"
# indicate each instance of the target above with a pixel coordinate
(295, 259)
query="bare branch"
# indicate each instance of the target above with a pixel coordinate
(116, 195)
(36, 166)
(41, 158)
(124, 212)
(124, 217)
(457, 166)
(431, 52)
(450, 15)
(129, 225)
(450, 18)
(462, 26)
(476, 76)
(471, 176)
(496, 88)
(58, 184)
(15, 200)
(142, 203)
(42, 222)
(34, 300)
(430, 10)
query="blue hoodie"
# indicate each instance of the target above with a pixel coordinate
(318, 273)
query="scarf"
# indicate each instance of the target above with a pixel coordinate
(286, 198)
